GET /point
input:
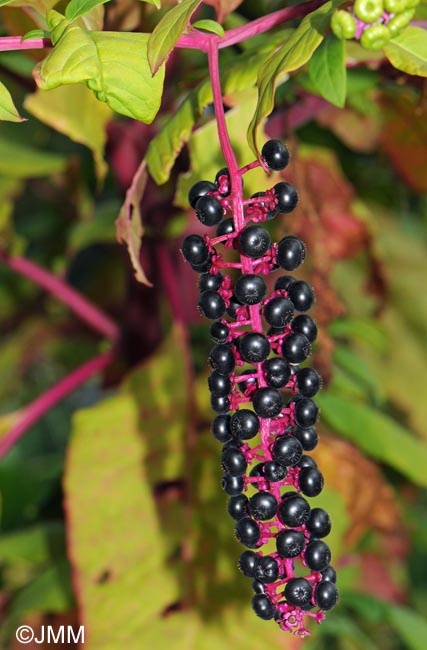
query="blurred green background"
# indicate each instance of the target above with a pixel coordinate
(112, 515)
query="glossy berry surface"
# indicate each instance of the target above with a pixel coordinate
(263, 607)
(267, 402)
(277, 372)
(311, 481)
(209, 210)
(296, 348)
(250, 289)
(238, 506)
(306, 412)
(290, 543)
(278, 312)
(301, 294)
(254, 347)
(308, 382)
(266, 569)
(294, 512)
(274, 472)
(275, 154)
(307, 437)
(200, 189)
(194, 249)
(263, 506)
(303, 324)
(317, 555)
(254, 241)
(244, 424)
(319, 523)
(290, 253)
(287, 197)
(287, 451)
(211, 305)
(298, 591)
(222, 359)
(247, 532)
(232, 485)
(220, 428)
(326, 595)
(219, 332)
(247, 563)
(234, 461)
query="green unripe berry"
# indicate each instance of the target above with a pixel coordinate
(375, 37)
(368, 10)
(395, 6)
(343, 25)
(399, 22)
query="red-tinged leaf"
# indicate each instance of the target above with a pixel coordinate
(129, 225)
(359, 132)
(223, 7)
(404, 138)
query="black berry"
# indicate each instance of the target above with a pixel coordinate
(220, 403)
(232, 485)
(220, 428)
(287, 197)
(290, 543)
(305, 325)
(195, 250)
(254, 241)
(219, 332)
(212, 305)
(278, 312)
(307, 437)
(301, 295)
(219, 385)
(267, 402)
(247, 532)
(294, 512)
(263, 506)
(247, 563)
(298, 592)
(263, 607)
(308, 382)
(210, 282)
(296, 348)
(244, 424)
(226, 227)
(222, 359)
(310, 481)
(284, 282)
(266, 569)
(290, 253)
(287, 451)
(254, 347)
(329, 574)
(274, 472)
(209, 210)
(250, 289)
(277, 372)
(238, 506)
(326, 595)
(200, 189)
(317, 555)
(306, 412)
(319, 523)
(275, 154)
(234, 461)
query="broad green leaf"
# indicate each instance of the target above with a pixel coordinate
(376, 434)
(356, 367)
(209, 26)
(371, 332)
(36, 33)
(119, 592)
(74, 111)
(409, 625)
(34, 546)
(112, 64)
(21, 161)
(77, 8)
(167, 32)
(292, 55)
(408, 51)
(129, 226)
(8, 110)
(328, 71)
(166, 145)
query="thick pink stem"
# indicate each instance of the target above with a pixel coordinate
(86, 310)
(8, 43)
(32, 413)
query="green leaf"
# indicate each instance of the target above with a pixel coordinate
(328, 71)
(408, 51)
(74, 111)
(167, 32)
(209, 26)
(36, 33)
(8, 110)
(166, 145)
(292, 55)
(376, 434)
(34, 546)
(77, 8)
(112, 64)
(22, 161)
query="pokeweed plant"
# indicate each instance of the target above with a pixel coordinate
(250, 366)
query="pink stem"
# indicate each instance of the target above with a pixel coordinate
(86, 310)
(32, 413)
(8, 43)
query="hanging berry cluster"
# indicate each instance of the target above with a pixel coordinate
(262, 396)
(373, 22)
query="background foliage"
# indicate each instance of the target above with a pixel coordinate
(112, 502)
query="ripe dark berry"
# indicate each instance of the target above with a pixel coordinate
(287, 451)
(290, 253)
(244, 424)
(294, 512)
(258, 587)
(220, 428)
(308, 382)
(203, 267)
(220, 404)
(212, 305)
(219, 385)
(310, 481)
(195, 250)
(274, 472)
(317, 555)
(326, 595)
(222, 359)
(266, 569)
(254, 241)
(238, 506)
(247, 563)
(263, 607)
(307, 461)
(233, 461)
(298, 592)
(307, 437)
(232, 485)
(247, 532)
(284, 282)
(305, 325)
(296, 348)
(267, 402)
(301, 295)
(254, 347)
(290, 543)
(275, 154)
(219, 332)
(200, 189)
(225, 227)
(306, 412)
(209, 210)
(287, 197)
(210, 282)
(250, 289)
(278, 312)
(263, 506)
(329, 574)
(277, 372)
(319, 523)
(233, 307)
(257, 470)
